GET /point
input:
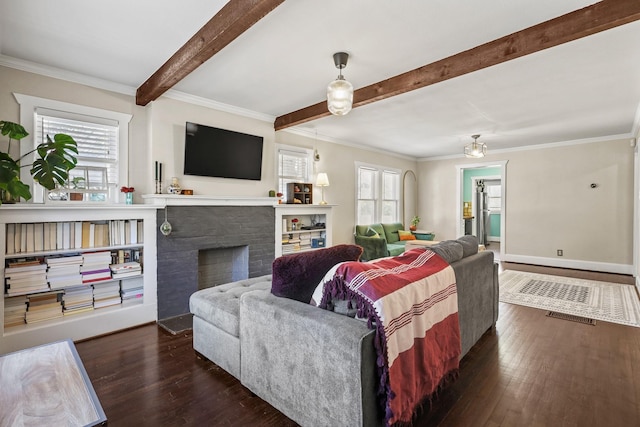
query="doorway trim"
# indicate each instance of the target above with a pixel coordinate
(502, 164)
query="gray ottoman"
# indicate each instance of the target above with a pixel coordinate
(216, 321)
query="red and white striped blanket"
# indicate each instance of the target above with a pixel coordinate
(412, 302)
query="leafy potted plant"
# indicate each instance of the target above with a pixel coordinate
(77, 183)
(414, 223)
(55, 158)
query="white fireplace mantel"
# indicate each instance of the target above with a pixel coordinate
(162, 200)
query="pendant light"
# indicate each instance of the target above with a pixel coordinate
(340, 91)
(475, 150)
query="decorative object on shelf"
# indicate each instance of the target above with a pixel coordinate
(414, 223)
(128, 194)
(53, 161)
(475, 150)
(174, 187)
(158, 179)
(340, 91)
(322, 181)
(77, 183)
(272, 193)
(279, 196)
(300, 193)
(165, 227)
(186, 192)
(294, 224)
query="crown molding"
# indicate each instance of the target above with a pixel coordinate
(219, 106)
(57, 73)
(538, 146)
(311, 134)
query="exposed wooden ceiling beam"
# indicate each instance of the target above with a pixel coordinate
(593, 19)
(236, 17)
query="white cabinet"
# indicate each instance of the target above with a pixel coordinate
(92, 322)
(312, 229)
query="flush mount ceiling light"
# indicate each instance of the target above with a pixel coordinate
(475, 150)
(340, 91)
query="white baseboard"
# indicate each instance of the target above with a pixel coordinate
(493, 238)
(572, 263)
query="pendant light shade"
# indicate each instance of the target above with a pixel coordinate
(340, 91)
(475, 150)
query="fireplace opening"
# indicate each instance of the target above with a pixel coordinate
(217, 266)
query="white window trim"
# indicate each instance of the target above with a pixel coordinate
(380, 169)
(28, 106)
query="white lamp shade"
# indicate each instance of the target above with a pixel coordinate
(322, 180)
(339, 96)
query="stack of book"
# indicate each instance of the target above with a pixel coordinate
(292, 246)
(78, 299)
(44, 306)
(305, 241)
(125, 269)
(64, 271)
(132, 291)
(106, 294)
(14, 311)
(25, 275)
(95, 267)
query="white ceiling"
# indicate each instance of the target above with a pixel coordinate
(589, 88)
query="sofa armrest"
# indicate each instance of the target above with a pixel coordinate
(315, 366)
(374, 247)
(478, 296)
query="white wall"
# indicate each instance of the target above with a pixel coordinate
(550, 204)
(157, 134)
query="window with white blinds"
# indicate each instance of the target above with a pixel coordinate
(294, 165)
(102, 137)
(377, 194)
(96, 139)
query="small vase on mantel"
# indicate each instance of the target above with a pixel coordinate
(174, 187)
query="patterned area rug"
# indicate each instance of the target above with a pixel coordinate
(609, 302)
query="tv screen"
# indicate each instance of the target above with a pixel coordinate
(221, 153)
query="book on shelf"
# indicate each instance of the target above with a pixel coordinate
(96, 276)
(11, 239)
(68, 258)
(15, 309)
(69, 235)
(77, 310)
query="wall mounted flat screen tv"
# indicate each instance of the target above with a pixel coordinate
(222, 153)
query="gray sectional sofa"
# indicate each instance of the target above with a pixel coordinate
(316, 366)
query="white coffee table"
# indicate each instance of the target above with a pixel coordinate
(47, 386)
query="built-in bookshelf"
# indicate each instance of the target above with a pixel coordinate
(75, 272)
(301, 228)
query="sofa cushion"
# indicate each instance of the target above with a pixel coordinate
(220, 305)
(406, 235)
(450, 250)
(391, 231)
(372, 233)
(296, 276)
(469, 245)
(396, 249)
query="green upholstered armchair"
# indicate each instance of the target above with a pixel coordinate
(371, 238)
(379, 240)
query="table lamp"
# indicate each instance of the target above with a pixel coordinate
(322, 180)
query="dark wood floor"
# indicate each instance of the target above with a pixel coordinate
(532, 371)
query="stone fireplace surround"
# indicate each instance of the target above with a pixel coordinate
(203, 224)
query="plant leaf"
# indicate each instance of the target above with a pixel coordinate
(9, 169)
(14, 130)
(56, 159)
